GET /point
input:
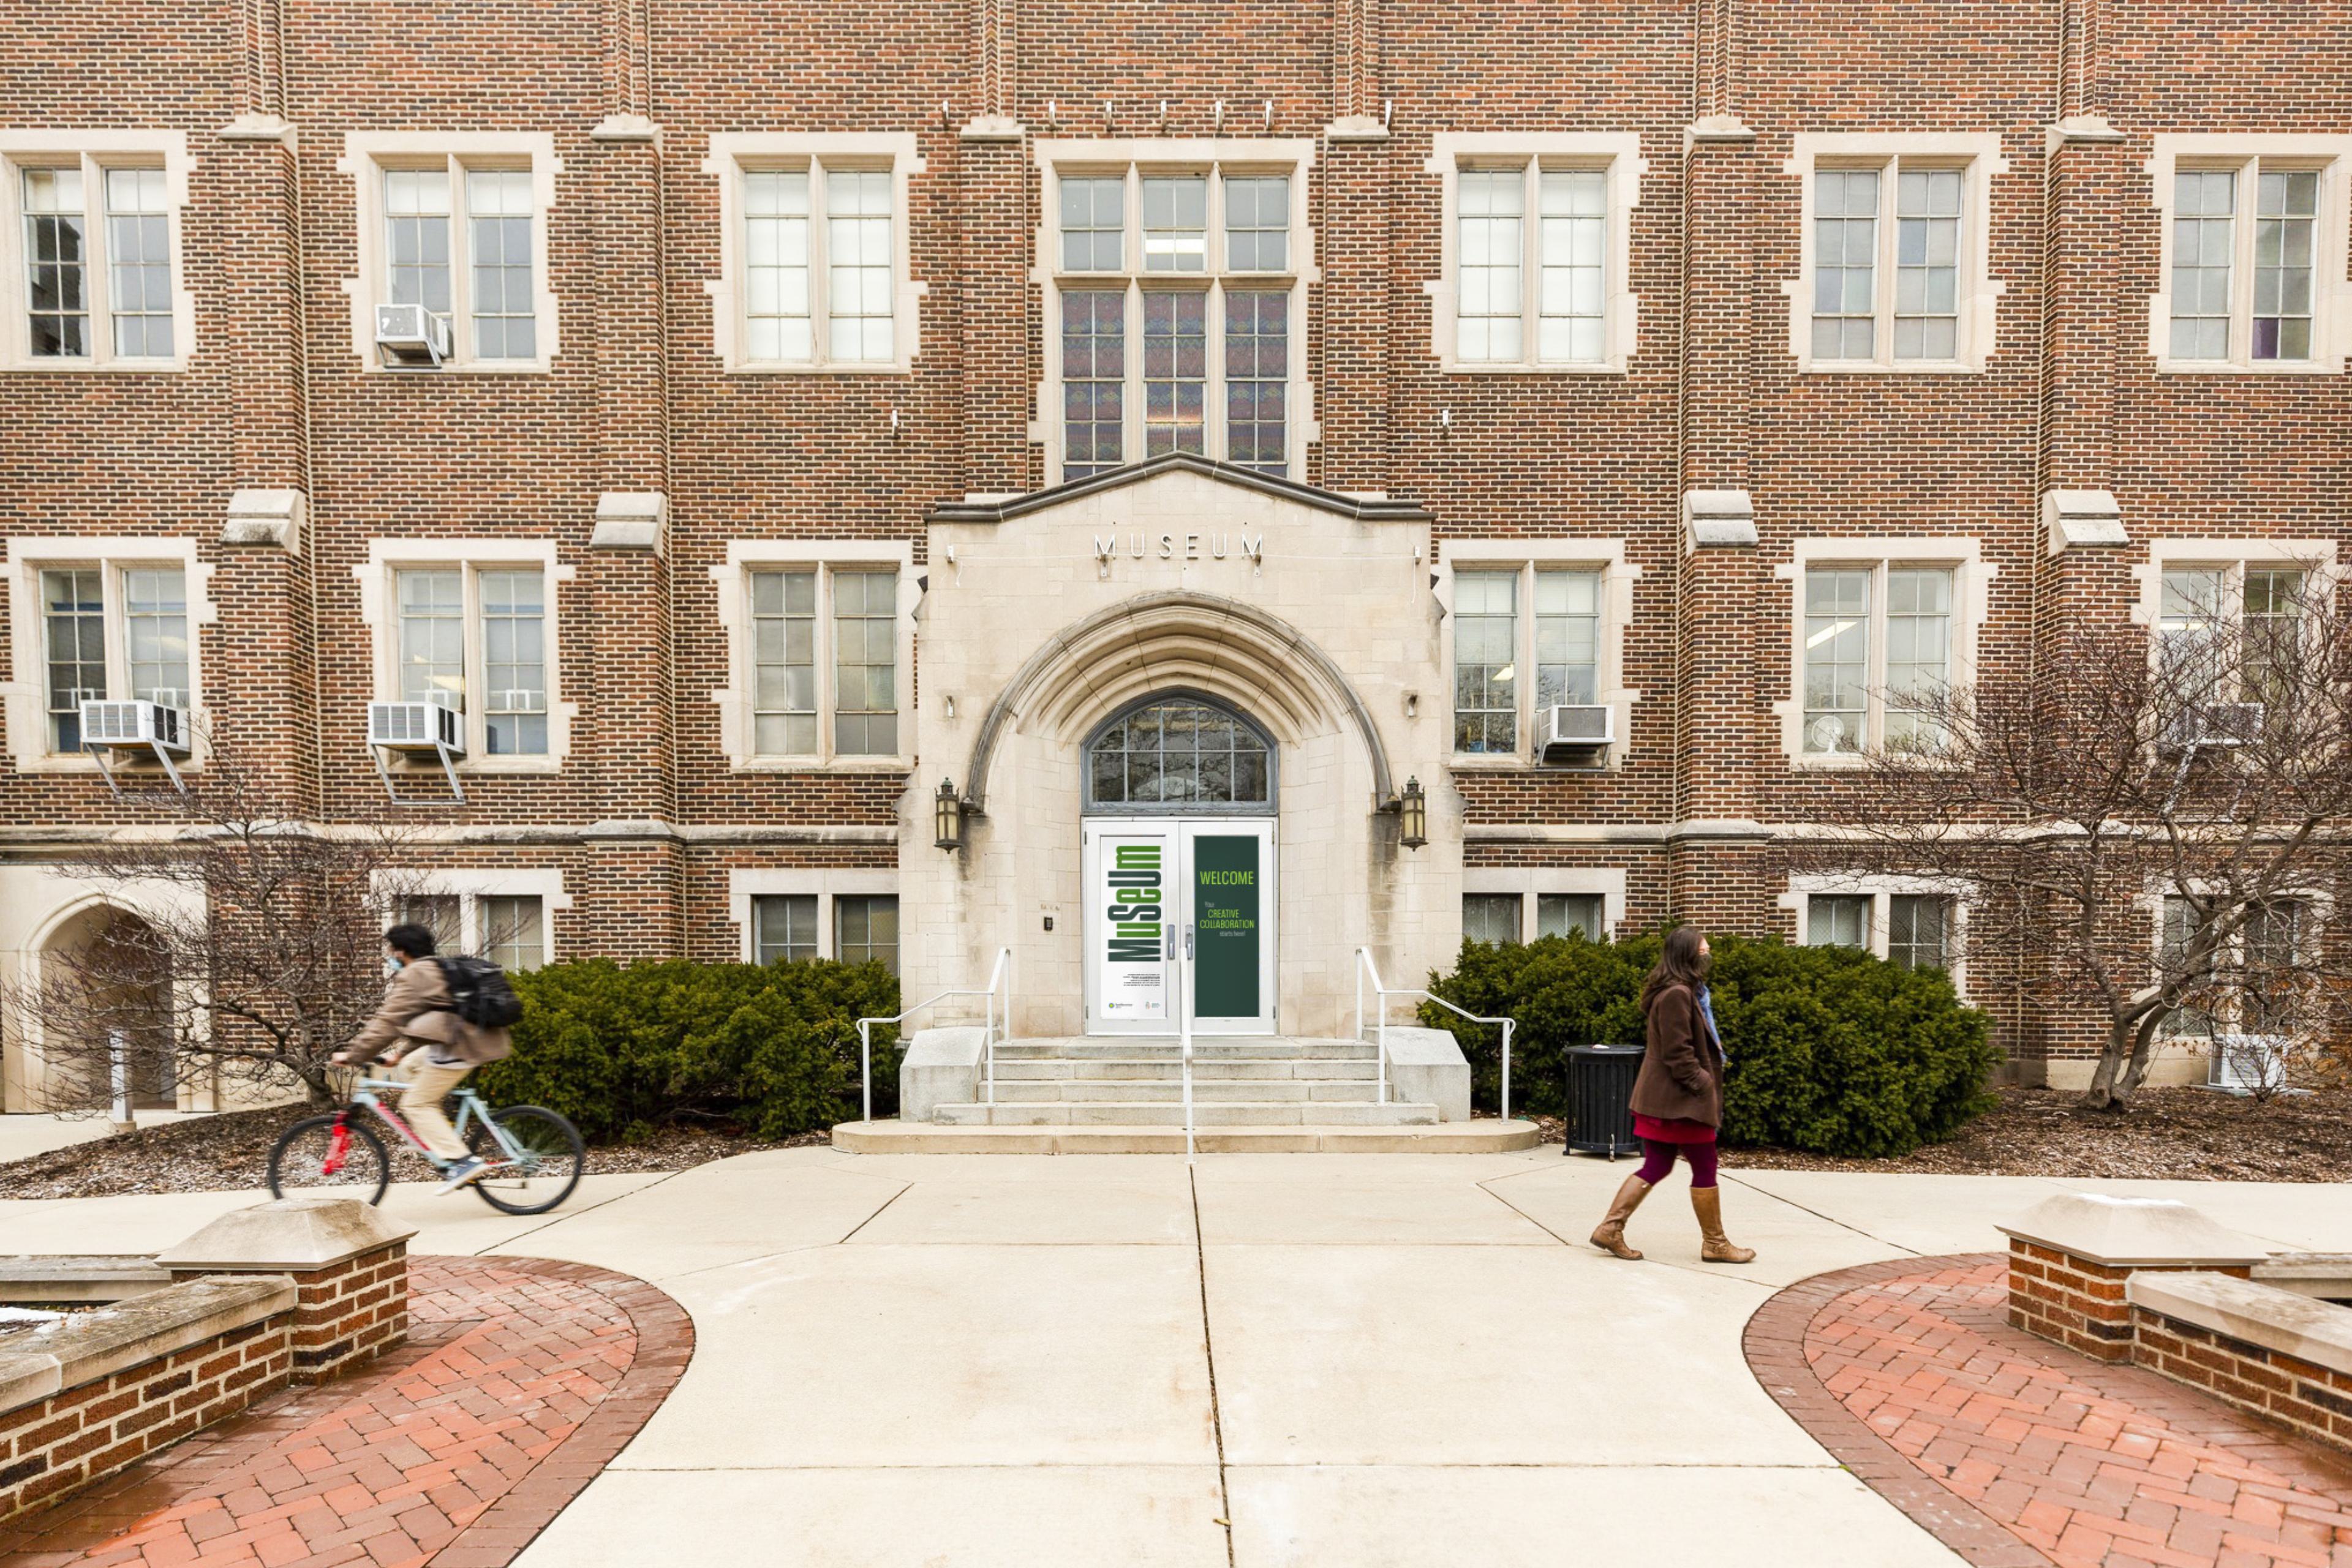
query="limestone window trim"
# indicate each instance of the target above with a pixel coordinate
(1526, 557)
(737, 731)
(1528, 884)
(1972, 579)
(1617, 155)
(734, 154)
(1134, 159)
(2234, 555)
(93, 152)
(2331, 325)
(380, 613)
(1803, 887)
(826, 884)
(368, 155)
(25, 695)
(469, 886)
(2316, 899)
(1977, 156)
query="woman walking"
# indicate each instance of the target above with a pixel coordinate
(1677, 1098)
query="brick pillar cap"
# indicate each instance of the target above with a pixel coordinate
(2138, 1231)
(289, 1236)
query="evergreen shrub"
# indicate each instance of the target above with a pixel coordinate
(1831, 1050)
(621, 1050)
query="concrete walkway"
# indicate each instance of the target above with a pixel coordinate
(1382, 1361)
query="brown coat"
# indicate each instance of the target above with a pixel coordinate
(1682, 1071)
(416, 1010)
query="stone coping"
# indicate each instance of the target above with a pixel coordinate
(289, 1235)
(48, 1277)
(2132, 1232)
(2328, 1274)
(87, 1346)
(2313, 1330)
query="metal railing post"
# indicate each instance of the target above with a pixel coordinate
(1507, 1025)
(865, 1064)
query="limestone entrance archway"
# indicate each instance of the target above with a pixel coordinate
(100, 1000)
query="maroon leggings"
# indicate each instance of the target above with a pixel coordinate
(1658, 1161)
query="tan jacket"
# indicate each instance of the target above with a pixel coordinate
(416, 1010)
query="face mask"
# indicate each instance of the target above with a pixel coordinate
(391, 967)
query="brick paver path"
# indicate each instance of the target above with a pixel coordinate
(521, 1380)
(2016, 1452)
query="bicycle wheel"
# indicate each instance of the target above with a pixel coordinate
(316, 1158)
(546, 1165)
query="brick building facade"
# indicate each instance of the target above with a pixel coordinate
(661, 386)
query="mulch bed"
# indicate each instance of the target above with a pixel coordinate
(212, 1153)
(2183, 1134)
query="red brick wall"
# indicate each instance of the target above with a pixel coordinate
(637, 399)
(78, 1435)
(2315, 1400)
(2078, 1302)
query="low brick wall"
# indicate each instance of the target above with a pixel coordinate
(347, 1311)
(2269, 1352)
(103, 1389)
(2078, 1301)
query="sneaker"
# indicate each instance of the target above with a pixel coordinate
(462, 1173)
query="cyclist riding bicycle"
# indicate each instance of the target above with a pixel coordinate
(416, 1025)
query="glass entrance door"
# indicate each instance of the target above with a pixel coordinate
(1180, 922)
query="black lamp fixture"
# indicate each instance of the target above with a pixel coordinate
(1412, 816)
(947, 816)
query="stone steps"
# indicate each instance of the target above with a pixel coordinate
(1169, 1069)
(1171, 1113)
(1205, 1091)
(1206, 1049)
(1486, 1136)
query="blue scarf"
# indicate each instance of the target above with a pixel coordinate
(1707, 1009)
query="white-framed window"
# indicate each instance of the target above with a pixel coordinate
(2257, 588)
(458, 223)
(99, 619)
(507, 917)
(1881, 628)
(815, 253)
(2252, 253)
(1538, 627)
(790, 915)
(2253, 985)
(1535, 261)
(1175, 300)
(471, 625)
(1523, 903)
(1912, 922)
(1896, 252)
(90, 251)
(822, 646)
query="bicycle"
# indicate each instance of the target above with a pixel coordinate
(534, 1155)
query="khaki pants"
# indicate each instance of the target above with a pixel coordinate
(429, 1083)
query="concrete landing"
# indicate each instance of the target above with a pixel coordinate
(1485, 1136)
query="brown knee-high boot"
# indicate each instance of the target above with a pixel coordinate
(1611, 1236)
(1715, 1246)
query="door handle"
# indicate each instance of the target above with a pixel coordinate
(1188, 939)
(1169, 949)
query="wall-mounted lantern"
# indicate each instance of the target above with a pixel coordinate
(1412, 816)
(947, 816)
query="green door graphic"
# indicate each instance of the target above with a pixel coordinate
(1226, 882)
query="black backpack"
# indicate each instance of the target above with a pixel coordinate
(479, 992)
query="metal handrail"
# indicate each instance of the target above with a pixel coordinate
(1000, 973)
(1380, 994)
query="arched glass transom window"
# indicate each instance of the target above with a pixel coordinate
(1179, 755)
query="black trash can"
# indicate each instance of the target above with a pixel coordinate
(1600, 1099)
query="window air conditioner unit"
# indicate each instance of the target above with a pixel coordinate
(430, 729)
(2248, 1063)
(2215, 725)
(416, 727)
(136, 723)
(1578, 733)
(411, 334)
